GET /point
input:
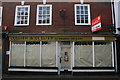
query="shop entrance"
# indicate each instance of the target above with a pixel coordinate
(65, 53)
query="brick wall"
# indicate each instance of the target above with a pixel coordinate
(58, 25)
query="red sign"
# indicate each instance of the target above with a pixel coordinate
(96, 24)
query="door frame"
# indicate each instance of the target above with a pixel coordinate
(71, 55)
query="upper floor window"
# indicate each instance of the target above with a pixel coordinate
(22, 15)
(82, 14)
(0, 16)
(44, 15)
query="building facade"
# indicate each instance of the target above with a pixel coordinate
(58, 37)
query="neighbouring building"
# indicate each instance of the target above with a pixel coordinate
(117, 24)
(59, 37)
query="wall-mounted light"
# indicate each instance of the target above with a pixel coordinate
(81, 1)
(22, 2)
(5, 27)
(62, 13)
(44, 1)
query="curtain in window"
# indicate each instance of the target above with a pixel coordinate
(33, 55)
(17, 54)
(83, 55)
(48, 54)
(103, 55)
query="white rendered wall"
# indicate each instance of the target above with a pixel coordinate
(117, 15)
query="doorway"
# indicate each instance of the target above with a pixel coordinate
(65, 53)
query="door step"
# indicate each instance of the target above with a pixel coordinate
(66, 72)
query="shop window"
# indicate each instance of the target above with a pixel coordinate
(17, 53)
(32, 53)
(82, 14)
(100, 57)
(0, 16)
(44, 15)
(48, 54)
(103, 54)
(83, 54)
(22, 15)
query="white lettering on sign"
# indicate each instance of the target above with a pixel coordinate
(98, 38)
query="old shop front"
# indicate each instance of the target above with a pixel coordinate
(59, 53)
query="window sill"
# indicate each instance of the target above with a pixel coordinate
(43, 24)
(21, 25)
(83, 24)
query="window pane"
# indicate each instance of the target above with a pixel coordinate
(86, 12)
(82, 12)
(26, 9)
(81, 8)
(78, 17)
(17, 53)
(44, 9)
(78, 7)
(40, 21)
(103, 54)
(48, 12)
(86, 8)
(40, 12)
(48, 8)
(33, 54)
(48, 54)
(78, 21)
(82, 17)
(86, 17)
(83, 54)
(40, 8)
(86, 21)
(78, 12)
(26, 13)
(19, 9)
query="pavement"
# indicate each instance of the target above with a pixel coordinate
(60, 77)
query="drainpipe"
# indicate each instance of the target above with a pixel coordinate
(113, 17)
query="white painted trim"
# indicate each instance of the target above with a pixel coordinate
(37, 23)
(73, 54)
(56, 54)
(25, 54)
(90, 70)
(113, 63)
(89, 18)
(10, 53)
(116, 67)
(1, 15)
(112, 12)
(93, 48)
(59, 64)
(33, 70)
(15, 22)
(40, 53)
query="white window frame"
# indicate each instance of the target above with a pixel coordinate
(15, 22)
(37, 22)
(1, 8)
(89, 19)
